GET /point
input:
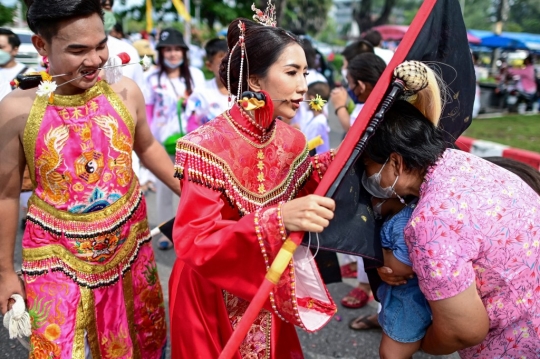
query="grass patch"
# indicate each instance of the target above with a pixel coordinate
(519, 131)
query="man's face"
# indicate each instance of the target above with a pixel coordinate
(6, 46)
(78, 49)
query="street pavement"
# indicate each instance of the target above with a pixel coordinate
(335, 340)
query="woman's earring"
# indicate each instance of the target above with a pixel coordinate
(250, 100)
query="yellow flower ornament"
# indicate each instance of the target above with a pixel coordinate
(317, 103)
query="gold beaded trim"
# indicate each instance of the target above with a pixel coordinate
(205, 168)
(318, 166)
(55, 257)
(258, 231)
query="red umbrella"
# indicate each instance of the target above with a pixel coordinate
(392, 32)
(396, 33)
(473, 39)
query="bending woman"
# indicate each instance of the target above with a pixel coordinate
(473, 237)
(245, 180)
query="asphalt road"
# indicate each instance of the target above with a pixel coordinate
(335, 340)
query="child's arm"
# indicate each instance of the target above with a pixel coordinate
(398, 267)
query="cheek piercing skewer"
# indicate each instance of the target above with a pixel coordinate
(316, 103)
(287, 100)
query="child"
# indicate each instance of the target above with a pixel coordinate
(206, 103)
(405, 313)
(316, 123)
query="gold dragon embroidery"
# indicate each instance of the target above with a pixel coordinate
(120, 165)
(55, 184)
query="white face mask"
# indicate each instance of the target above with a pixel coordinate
(372, 184)
(173, 65)
(5, 57)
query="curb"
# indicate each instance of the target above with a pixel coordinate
(483, 148)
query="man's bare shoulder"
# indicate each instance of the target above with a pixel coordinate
(127, 89)
(15, 108)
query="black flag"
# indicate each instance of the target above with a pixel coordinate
(437, 36)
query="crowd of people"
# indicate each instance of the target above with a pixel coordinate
(231, 158)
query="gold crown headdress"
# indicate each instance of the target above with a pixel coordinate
(266, 18)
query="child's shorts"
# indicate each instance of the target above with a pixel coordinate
(405, 313)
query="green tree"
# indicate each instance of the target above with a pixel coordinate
(525, 14)
(6, 14)
(212, 12)
(478, 14)
(364, 14)
(309, 16)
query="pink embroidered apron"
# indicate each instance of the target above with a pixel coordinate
(89, 269)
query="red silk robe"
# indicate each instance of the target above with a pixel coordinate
(227, 233)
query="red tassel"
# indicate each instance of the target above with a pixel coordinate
(264, 115)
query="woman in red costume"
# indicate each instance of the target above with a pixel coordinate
(246, 180)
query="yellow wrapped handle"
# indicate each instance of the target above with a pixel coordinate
(315, 142)
(281, 261)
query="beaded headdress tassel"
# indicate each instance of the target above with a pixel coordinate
(266, 18)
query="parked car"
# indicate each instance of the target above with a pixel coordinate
(28, 54)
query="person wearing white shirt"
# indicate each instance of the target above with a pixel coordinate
(9, 69)
(312, 76)
(166, 92)
(9, 47)
(375, 38)
(316, 123)
(206, 103)
(5, 88)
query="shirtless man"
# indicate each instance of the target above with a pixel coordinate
(89, 270)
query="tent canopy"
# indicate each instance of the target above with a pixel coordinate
(497, 41)
(530, 41)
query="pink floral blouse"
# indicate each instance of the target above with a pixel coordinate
(477, 221)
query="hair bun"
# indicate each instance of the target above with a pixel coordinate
(414, 74)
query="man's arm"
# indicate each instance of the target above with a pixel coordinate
(459, 322)
(151, 153)
(339, 98)
(12, 164)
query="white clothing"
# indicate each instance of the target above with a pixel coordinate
(476, 104)
(205, 104)
(166, 201)
(8, 74)
(303, 112)
(317, 126)
(134, 72)
(361, 274)
(354, 114)
(196, 56)
(315, 76)
(384, 54)
(163, 95)
(5, 88)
